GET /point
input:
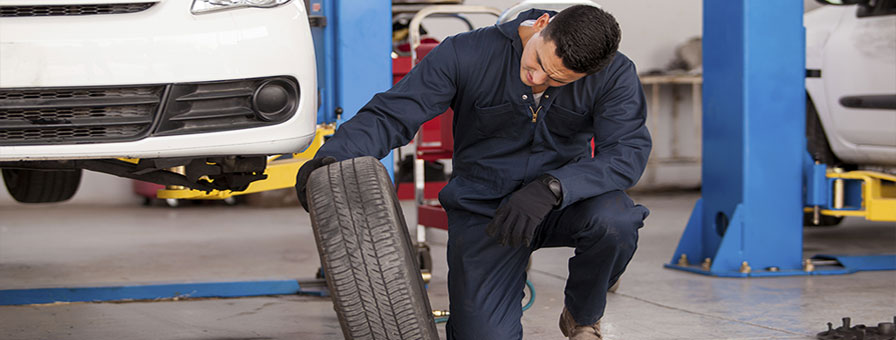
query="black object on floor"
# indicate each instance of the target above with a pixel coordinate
(371, 265)
(883, 331)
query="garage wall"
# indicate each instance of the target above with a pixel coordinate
(650, 28)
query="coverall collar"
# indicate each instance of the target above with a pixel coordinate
(510, 29)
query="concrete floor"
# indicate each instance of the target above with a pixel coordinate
(84, 245)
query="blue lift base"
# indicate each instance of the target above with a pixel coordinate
(847, 265)
(757, 177)
(724, 251)
(162, 291)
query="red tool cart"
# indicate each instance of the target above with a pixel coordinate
(435, 140)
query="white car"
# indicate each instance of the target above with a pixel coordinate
(212, 85)
(851, 84)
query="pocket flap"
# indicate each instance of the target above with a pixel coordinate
(494, 109)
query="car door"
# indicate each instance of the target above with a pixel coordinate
(859, 72)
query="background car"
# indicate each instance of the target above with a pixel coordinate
(851, 84)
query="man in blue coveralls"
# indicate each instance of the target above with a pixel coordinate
(528, 96)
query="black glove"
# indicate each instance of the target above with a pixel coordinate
(516, 220)
(305, 172)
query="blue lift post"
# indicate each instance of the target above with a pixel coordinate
(749, 220)
(353, 49)
(353, 57)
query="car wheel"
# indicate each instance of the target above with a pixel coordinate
(820, 150)
(816, 140)
(41, 186)
(366, 252)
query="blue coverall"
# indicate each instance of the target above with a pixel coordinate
(499, 147)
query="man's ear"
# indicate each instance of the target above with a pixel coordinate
(542, 22)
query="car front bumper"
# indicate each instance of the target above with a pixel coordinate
(164, 44)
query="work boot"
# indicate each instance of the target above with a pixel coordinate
(578, 332)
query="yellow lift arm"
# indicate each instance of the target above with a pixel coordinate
(878, 195)
(281, 173)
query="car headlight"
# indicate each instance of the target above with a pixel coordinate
(203, 6)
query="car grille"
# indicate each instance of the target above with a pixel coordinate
(57, 116)
(215, 106)
(78, 115)
(65, 10)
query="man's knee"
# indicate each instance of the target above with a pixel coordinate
(614, 216)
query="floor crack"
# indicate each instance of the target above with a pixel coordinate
(676, 308)
(706, 315)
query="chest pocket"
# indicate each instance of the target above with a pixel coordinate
(500, 121)
(565, 123)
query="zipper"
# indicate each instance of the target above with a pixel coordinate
(535, 113)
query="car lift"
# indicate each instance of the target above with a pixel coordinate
(281, 171)
(758, 179)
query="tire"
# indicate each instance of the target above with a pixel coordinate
(816, 140)
(41, 186)
(366, 252)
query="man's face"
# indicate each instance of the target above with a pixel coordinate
(540, 66)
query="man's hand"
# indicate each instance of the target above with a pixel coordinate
(305, 172)
(515, 221)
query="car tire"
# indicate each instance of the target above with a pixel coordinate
(816, 140)
(820, 149)
(366, 252)
(41, 186)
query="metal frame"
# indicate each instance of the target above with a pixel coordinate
(867, 194)
(424, 209)
(280, 170)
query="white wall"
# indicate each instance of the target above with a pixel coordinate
(650, 28)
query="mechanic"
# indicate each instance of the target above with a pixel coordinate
(528, 96)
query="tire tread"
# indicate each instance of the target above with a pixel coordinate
(366, 253)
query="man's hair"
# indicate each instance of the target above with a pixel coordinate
(586, 38)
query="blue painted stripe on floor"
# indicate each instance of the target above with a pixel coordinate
(148, 292)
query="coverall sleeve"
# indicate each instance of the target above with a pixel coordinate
(621, 140)
(392, 118)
